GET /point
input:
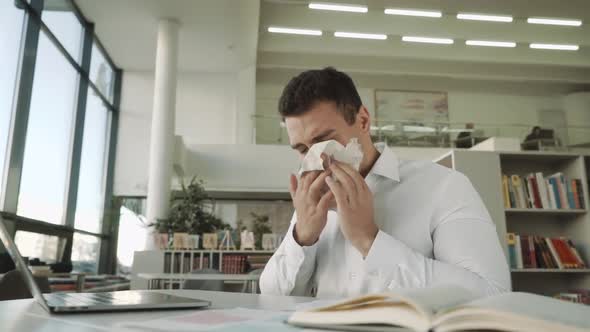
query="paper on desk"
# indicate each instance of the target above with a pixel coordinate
(350, 154)
(222, 320)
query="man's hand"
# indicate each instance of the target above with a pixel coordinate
(311, 204)
(355, 206)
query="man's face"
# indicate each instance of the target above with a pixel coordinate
(321, 123)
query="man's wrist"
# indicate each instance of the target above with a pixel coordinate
(365, 243)
(302, 241)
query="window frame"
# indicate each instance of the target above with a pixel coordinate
(33, 26)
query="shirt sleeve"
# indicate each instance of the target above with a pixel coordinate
(289, 270)
(466, 249)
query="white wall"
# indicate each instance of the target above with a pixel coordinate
(489, 110)
(206, 112)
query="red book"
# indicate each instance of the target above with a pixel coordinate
(565, 255)
(574, 250)
(533, 254)
(525, 251)
(536, 197)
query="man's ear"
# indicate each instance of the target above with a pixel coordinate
(363, 118)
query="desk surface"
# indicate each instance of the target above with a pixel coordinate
(27, 315)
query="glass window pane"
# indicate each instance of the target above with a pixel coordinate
(47, 248)
(101, 73)
(92, 166)
(85, 253)
(59, 17)
(11, 21)
(47, 147)
(132, 232)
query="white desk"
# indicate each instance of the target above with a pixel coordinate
(27, 315)
(152, 278)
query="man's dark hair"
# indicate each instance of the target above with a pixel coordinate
(313, 86)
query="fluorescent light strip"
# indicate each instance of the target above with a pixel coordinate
(360, 35)
(295, 31)
(489, 43)
(562, 47)
(339, 8)
(412, 12)
(482, 17)
(554, 21)
(429, 40)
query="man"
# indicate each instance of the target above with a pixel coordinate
(396, 224)
(464, 138)
(534, 134)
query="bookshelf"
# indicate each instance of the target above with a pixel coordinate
(182, 261)
(550, 270)
(485, 169)
(545, 211)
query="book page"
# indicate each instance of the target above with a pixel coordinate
(438, 298)
(537, 307)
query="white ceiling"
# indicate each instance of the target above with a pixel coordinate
(393, 57)
(215, 35)
(227, 35)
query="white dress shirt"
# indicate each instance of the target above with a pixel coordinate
(433, 229)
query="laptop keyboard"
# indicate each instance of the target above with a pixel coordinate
(78, 299)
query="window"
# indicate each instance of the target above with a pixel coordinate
(133, 231)
(35, 245)
(85, 252)
(101, 73)
(44, 175)
(11, 21)
(59, 17)
(47, 147)
(91, 189)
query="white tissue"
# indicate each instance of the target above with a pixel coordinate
(351, 155)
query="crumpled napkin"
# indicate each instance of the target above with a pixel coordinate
(350, 154)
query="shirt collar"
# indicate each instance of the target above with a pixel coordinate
(387, 164)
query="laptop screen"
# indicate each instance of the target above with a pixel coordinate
(20, 265)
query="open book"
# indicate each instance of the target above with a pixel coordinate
(447, 308)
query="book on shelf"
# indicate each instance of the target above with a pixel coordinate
(536, 252)
(233, 264)
(537, 191)
(446, 309)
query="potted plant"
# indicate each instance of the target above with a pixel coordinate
(191, 213)
(162, 233)
(261, 226)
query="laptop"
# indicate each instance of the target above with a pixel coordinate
(93, 302)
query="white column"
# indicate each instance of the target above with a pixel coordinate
(162, 133)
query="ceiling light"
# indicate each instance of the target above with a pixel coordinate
(554, 21)
(360, 35)
(490, 43)
(427, 40)
(295, 31)
(339, 8)
(563, 47)
(482, 17)
(412, 12)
